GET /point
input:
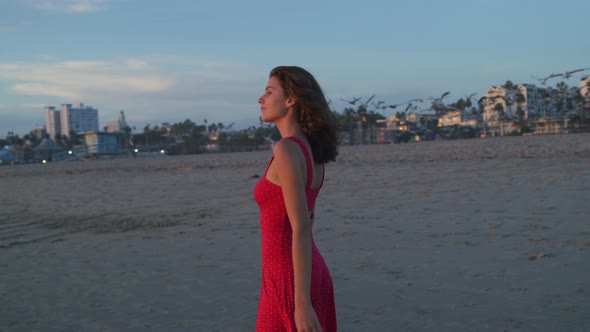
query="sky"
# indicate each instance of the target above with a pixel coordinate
(167, 61)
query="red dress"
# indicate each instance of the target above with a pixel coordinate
(276, 306)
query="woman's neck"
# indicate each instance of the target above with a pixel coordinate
(289, 128)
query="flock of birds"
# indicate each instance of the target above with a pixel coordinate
(437, 102)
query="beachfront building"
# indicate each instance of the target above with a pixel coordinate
(585, 92)
(52, 121)
(502, 107)
(117, 126)
(501, 103)
(452, 118)
(535, 99)
(78, 119)
(70, 119)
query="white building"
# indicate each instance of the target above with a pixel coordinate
(117, 126)
(537, 101)
(506, 99)
(78, 119)
(585, 87)
(52, 121)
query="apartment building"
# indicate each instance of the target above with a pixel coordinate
(536, 101)
(585, 88)
(70, 119)
(78, 119)
(52, 121)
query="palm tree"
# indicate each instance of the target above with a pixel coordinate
(499, 108)
(362, 116)
(348, 123)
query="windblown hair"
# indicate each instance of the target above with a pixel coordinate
(317, 121)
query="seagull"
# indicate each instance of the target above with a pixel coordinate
(411, 107)
(486, 100)
(368, 100)
(565, 75)
(437, 102)
(439, 99)
(470, 96)
(394, 105)
(379, 104)
(353, 101)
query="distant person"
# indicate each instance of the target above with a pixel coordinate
(297, 292)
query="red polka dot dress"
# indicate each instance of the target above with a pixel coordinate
(276, 306)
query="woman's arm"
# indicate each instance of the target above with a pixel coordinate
(291, 173)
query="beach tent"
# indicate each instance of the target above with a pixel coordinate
(46, 148)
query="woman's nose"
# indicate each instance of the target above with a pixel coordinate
(260, 100)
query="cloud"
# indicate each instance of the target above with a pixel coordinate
(46, 90)
(81, 79)
(68, 6)
(149, 89)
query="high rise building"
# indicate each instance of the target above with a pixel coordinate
(70, 119)
(52, 121)
(78, 119)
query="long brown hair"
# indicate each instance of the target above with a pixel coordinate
(317, 121)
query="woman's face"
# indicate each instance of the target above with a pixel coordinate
(273, 103)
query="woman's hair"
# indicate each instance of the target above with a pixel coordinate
(317, 121)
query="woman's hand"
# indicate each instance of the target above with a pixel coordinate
(306, 319)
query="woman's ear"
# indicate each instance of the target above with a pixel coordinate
(290, 102)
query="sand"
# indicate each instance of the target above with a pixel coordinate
(471, 235)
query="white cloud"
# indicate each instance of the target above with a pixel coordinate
(46, 90)
(83, 7)
(68, 6)
(149, 89)
(81, 79)
(137, 64)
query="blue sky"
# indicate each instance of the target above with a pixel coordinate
(166, 61)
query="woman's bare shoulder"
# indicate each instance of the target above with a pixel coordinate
(288, 151)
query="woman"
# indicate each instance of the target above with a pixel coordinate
(296, 292)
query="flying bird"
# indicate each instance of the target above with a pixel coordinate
(485, 100)
(353, 101)
(470, 96)
(437, 103)
(368, 100)
(565, 75)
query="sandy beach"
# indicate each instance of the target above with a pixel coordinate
(470, 235)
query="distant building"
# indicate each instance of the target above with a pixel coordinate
(52, 121)
(585, 90)
(117, 126)
(78, 119)
(39, 133)
(452, 118)
(70, 119)
(585, 86)
(101, 143)
(501, 98)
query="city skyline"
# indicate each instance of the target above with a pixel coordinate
(166, 63)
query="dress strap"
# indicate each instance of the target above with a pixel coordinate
(307, 159)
